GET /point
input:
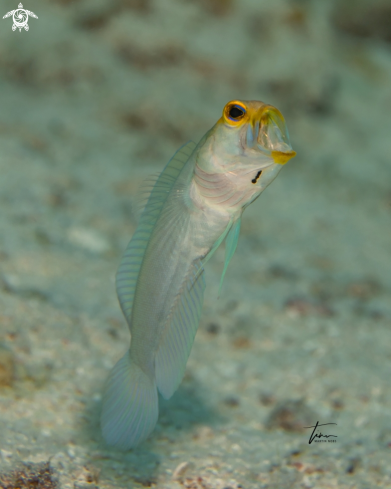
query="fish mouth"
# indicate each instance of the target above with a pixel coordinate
(268, 133)
(282, 157)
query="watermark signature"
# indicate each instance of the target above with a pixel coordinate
(317, 436)
(20, 16)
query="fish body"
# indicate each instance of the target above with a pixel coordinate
(196, 203)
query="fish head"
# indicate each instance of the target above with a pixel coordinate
(249, 144)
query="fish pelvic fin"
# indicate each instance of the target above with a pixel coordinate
(177, 340)
(129, 269)
(230, 247)
(130, 405)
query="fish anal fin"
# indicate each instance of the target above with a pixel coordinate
(177, 340)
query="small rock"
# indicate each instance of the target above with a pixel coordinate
(337, 404)
(213, 329)
(354, 464)
(84, 485)
(7, 367)
(231, 401)
(364, 289)
(385, 437)
(291, 415)
(180, 471)
(14, 285)
(5, 455)
(364, 19)
(266, 399)
(304, 307)
(241, 342)
(30, 475)
(88, 239)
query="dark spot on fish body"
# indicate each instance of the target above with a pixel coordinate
(254, 180)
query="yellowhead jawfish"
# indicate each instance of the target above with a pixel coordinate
(195, 204)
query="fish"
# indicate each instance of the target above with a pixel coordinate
(195, 204)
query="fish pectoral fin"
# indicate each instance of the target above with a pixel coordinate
(129, 269)
(177, 340)
(230, 247)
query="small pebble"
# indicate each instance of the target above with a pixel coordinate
(180, 471)
(7, 367)
(89, 239)
(241, 342)
(266, 399)
(213, 329)
(291, 415)
(231, 401)
(5, 455)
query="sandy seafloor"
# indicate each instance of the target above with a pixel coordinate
(99, 94)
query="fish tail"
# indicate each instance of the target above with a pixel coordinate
(130, 405)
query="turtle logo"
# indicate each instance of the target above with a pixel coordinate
(20, 17)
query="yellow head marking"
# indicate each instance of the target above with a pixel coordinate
(266, 127)
(281, 158)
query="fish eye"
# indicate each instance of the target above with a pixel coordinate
(236, 112)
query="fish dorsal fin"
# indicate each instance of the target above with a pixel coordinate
(130, 265)
(175, 346)
(230, 247)
(143, 193)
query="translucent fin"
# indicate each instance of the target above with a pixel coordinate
(217, 244)
(174, 349)
(130, 405)
(143, 194)
(130, 265)
(177, 340)
(213, 249)
(230, 247)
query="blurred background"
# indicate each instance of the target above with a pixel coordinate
(99, 94)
